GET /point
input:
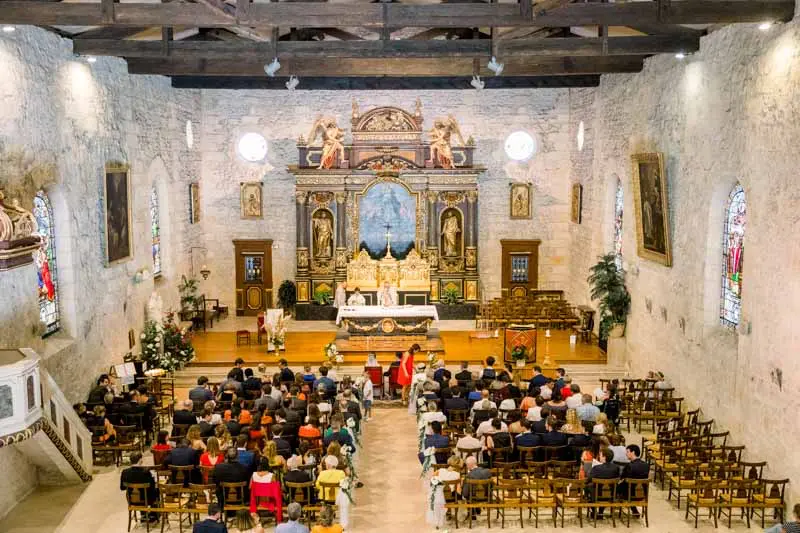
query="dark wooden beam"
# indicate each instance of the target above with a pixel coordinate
(110, 32)
(384, 83)
(357, 68)
(340, 34)
(472, 48)
(667, 29)
(317, 15)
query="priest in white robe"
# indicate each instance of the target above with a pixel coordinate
(387, 296)
(340, 298)
(357, 298)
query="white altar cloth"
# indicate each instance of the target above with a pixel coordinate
(377, 311)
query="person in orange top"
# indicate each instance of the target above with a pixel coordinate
(406, 371)
(311, 430)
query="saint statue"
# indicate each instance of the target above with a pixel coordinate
(154, 308)
(15, 221)
(332, 138)
(387, 296)
(441, 151)
(323, 233)
(450, 231)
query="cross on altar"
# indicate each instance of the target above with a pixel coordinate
(388, 240)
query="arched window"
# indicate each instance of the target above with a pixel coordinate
(733, 257)
(618, 205)
(155, 231)
(46, 265)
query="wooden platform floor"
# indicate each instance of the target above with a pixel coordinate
(220, 349)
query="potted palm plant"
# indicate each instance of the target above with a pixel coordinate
(608, 286)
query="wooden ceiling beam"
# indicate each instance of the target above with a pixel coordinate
(473, 48)
(356, 68)
(396, 15)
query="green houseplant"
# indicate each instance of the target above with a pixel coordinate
(188, 291)
(608, 286)
(322, 296)
(287, 295)
(449, 296)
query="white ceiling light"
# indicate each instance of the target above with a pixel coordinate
(252, 147)
(91, 59)
(9, 29)
(520, 146)
(189, 134)
(764, 26)
(581, 135)
(680, 55)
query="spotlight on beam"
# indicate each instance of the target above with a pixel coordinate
(477, 83)
(9, 29)
(495, 67)
(272, 68)
(292, 83)
(765, 26)
(91, 59)
(680, 55)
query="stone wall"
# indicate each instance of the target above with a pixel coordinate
(726, 114)
(56, 108)
(282, 117)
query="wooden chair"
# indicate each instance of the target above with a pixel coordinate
(770, 494)
(173, 501)
(704, 495)
(159, 456)
(604, 491)
(541, 496)
(562, 469)
(510, 495)
(138, 502)
(457, 418)
(328, 491)
(683, 479)
(182, 474)
(636, 495)
(233, 496)
(737, 495)
(570, 494)
(478, 497)
(242, 337)
(179, 430)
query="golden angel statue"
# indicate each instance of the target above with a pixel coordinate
(441, 151)
(332, 137)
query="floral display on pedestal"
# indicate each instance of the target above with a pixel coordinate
(165, 345)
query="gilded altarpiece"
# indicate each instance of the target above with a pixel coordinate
(396, 204)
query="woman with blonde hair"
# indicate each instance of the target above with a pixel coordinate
(211, 457)
(601, 425)
(270, 453)
(246, 522)
(223, 436)
(326, 525)
(193, 436)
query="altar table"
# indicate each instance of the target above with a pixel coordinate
(387, 321)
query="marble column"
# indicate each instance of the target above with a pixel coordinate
(302, 233)
(471, 236)
(341, 235)
(433, 229)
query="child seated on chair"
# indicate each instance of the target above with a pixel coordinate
(308, 376)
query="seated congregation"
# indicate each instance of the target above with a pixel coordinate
(244, 449)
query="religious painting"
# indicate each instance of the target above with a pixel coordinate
(520, 201)
(250, 197)
(117, 204)
(387, 213)
(194, 203)
(577, 203)
(322, 232)
(452, 231)
(652, 207)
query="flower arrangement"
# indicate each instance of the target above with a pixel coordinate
(435, 484)
(276, 332)
(347, 489)
(166, 345)
(519, 352)
(428, 454)
(431, 359)
(332, 354)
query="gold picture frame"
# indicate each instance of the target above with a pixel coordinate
(577, 203)
(117, 196)
(520, 201)
(251, 198)
(651, 205)
(194, 203)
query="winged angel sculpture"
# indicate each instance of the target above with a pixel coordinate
(332, 137)
(441, 151)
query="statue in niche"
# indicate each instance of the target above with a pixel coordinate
(441, 150)
(323, 234)
(450, 230)
(332, 137)
(15, 221)
(155, 308)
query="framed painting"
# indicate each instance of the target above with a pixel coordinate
(194, 203)
(577, 203)
(250, 195)
(652, 208)
(117, 213)
(520, 201)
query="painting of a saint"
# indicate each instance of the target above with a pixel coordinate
(117, 213)
(194, 203)
(652, 214)
(323, 233)
(451, 229)
(520, 200)
(577, 199)
(251, 199)
(387, 207)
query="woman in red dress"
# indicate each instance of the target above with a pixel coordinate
(406, 371)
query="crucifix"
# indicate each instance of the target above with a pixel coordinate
(388, 240)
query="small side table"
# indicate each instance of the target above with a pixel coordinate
(242, 337)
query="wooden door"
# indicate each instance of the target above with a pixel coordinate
(253, 276)
(520, 266)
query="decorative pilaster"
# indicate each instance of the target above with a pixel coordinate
(433, 230)
(471, 236)
(301, 211)
(341, 235)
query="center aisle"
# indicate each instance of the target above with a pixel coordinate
(392, 499)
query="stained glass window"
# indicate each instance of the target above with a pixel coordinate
(155, 231)
(733, 257)
(618, 205)
(46, 265)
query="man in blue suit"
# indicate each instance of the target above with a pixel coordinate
(246, 458)
(436, 440)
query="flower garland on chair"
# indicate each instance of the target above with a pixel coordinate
(428, 453)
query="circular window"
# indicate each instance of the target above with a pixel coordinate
(253, 147)
(580, 136)
(189, 134)
(520, 146)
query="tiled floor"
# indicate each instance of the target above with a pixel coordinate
(392, 500)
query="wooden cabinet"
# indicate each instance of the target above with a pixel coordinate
(253, 276)
(520, 264)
